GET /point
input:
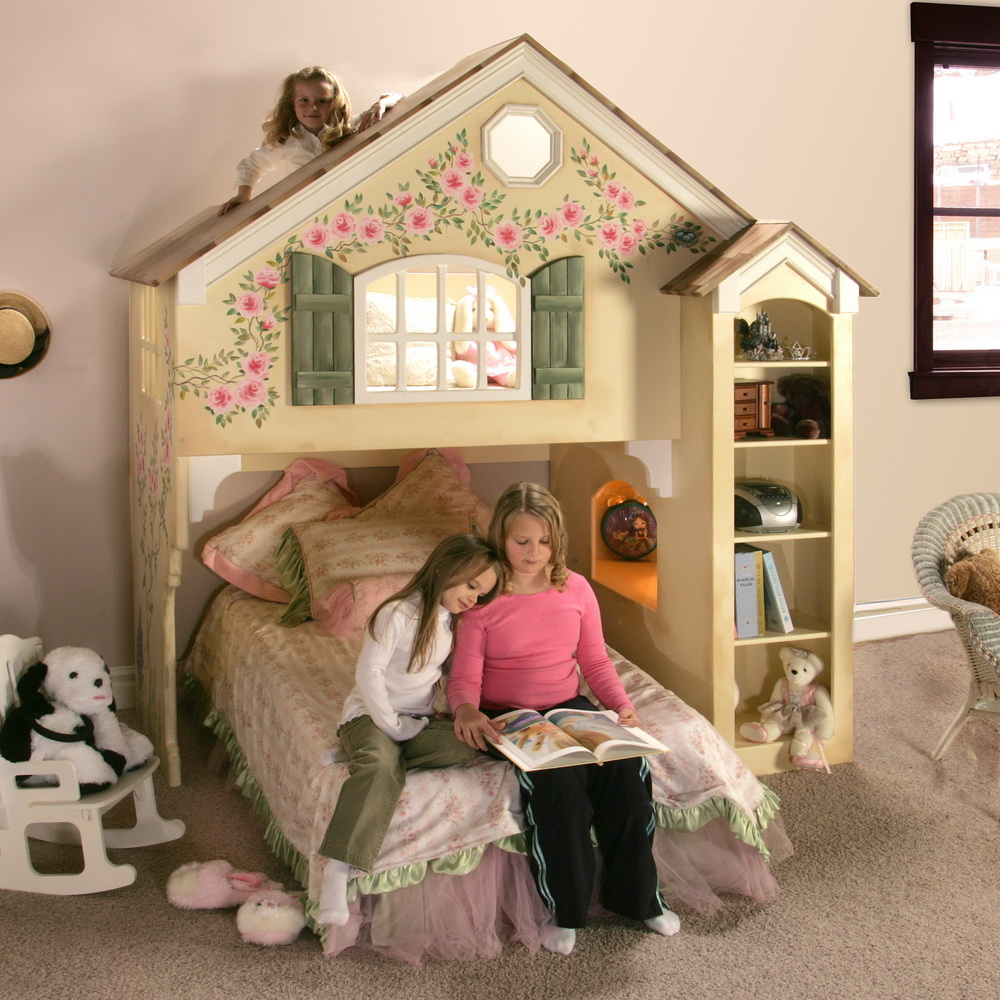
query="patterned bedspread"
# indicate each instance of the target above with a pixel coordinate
(280, 690)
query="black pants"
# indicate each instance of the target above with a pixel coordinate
(561, 806)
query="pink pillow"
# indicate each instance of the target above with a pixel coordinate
(348, 606)
(451, 455)
(243, 554)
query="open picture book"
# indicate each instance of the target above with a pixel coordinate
(566, 736)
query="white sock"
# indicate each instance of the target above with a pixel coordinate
(559, 939)
(333, 894)
(666, 923)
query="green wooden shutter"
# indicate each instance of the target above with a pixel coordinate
(557, 330)
(322, 332)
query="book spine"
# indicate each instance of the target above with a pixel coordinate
(759, 578)
(777, 614)
(746, 595)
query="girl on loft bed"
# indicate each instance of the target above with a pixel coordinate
(387, 725)
(313, 113)
(522, 651)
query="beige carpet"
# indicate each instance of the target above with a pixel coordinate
(893, 892)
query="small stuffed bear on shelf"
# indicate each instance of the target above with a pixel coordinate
(798, 706)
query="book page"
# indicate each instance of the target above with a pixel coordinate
(601, 732)
(535, 739)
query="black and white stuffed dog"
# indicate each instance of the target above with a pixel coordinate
(67, 712)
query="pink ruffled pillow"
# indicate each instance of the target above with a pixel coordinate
(348, 606)
(243, 554)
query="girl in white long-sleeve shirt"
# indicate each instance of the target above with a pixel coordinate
(386, 726)
(313, 113)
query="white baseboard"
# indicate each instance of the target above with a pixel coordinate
(123, 683)
(891, 619)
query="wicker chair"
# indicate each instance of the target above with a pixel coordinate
(969, 523)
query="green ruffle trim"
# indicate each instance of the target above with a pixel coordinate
(749, 830)
(746, 828)
(292, 577)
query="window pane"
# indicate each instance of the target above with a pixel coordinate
(966, 136)
(966, 284)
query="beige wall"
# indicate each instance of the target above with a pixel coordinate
(122, 121)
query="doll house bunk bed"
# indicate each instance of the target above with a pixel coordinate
(335, 323)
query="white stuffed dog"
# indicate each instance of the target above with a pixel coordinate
(67, 712)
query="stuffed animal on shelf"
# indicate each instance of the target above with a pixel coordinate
(975, 577)
(66, 711)
(214, 885)
(798, 706)
(501, 355)
(805, 410)
(271, 916)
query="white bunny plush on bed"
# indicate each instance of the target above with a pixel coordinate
(501, 355)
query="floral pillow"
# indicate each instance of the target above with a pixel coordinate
(243, 554)
(318, 557)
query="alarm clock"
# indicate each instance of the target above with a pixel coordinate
(629, 528)
(763, 506)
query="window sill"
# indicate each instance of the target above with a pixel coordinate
(954, 384)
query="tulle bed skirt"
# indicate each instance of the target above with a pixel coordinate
(462, 917)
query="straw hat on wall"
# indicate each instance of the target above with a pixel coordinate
(24, 334)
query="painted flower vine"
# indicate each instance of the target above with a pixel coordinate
(452, 192)
(234, 380)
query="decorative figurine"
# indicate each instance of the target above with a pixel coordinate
(757, 341)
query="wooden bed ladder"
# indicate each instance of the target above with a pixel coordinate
(58, 814)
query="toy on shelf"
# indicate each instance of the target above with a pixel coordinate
(804, 411)
(798, 706)
(67, 712)
(628, 527)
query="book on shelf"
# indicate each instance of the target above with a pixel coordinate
(566, 736)
(777, 614)
(749, 591)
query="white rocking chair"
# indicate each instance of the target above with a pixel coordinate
(59, 815)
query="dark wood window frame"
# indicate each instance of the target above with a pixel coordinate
(970, 35)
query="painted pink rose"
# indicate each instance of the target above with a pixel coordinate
(626, 200)
(508, 235)
(267, 321)
(452, 181)
(594, 160)
(639, 228)
(432, 161)
(572, 214)
(251, 392)
(627, 244)
(610, 235)
(220, 399)
(267, 277)
(343, 225)
(249, 304)
(550, 226)
(371, 229)
(257, 364)
(591, 173)
(317, 237)
(403, 199)
(582, 153)
(418, 221)
(465, 161)
(472, 196)
(612, 190)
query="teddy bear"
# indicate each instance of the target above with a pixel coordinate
(798, 706)
(501, 355)
(975, 577)
(66, 711)
(805, 412)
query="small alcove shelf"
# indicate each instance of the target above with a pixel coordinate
(635, 579)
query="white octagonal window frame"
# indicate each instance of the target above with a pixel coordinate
(522, 145)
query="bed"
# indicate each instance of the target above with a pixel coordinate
(273, 668)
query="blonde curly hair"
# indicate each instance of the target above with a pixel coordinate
(530, 498)
(279, 123)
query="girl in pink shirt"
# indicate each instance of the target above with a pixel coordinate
(522, 651)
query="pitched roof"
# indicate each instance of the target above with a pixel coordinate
(207, 230)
